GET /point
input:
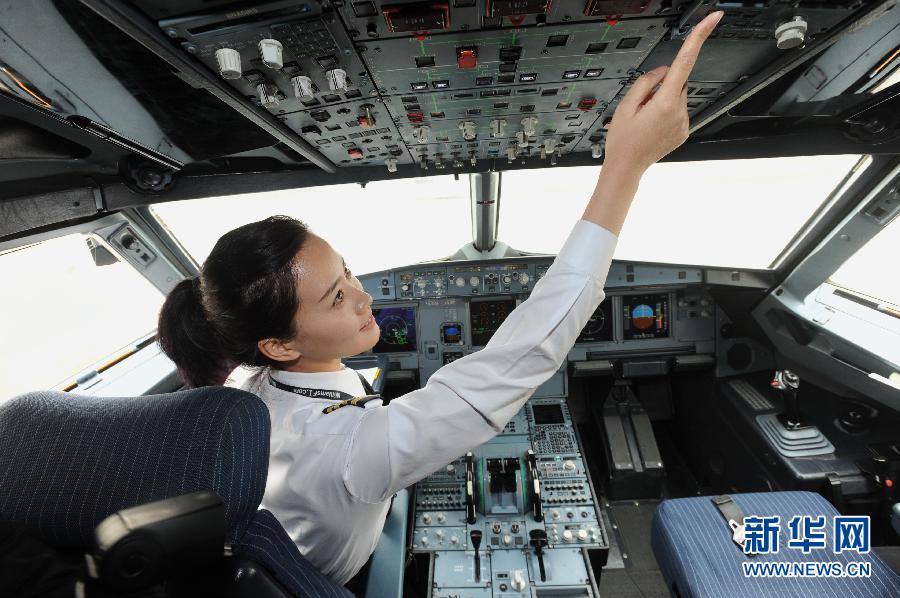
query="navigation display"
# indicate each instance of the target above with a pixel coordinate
(486, 318)
(600, 327)
(646, 316)
(398, 329)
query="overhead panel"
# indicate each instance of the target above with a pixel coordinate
(441, 83)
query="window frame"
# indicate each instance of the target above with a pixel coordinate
(851, 345)
(117, 375)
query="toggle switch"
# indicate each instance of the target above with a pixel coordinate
(528, 125)
(367, 119)
(469, 130)
(421, 133)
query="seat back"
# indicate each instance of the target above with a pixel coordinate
(69, 461)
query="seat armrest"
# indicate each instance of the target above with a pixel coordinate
(386, 570)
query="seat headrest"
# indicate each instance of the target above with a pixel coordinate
(69, 461)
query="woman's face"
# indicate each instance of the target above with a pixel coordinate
(335, 316)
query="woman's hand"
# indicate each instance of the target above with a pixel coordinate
(652, 119)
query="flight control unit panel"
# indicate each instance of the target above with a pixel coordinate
(515, 518)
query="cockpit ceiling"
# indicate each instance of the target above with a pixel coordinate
(430, 87)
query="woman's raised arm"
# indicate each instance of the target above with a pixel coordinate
(650, 122)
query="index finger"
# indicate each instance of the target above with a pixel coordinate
(684, 62)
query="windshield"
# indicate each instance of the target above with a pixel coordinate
(384, 225)
(727, 213)
(732, 213)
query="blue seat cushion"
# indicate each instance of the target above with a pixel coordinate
(693, 546)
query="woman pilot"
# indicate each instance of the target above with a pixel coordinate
(274, 295)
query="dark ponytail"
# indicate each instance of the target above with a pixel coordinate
(246, 292)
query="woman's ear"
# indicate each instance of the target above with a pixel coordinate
(279, 350)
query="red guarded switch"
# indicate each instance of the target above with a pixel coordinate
(586, 104)
(355, 153)
(466, 58)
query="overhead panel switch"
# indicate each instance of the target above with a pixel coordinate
(229, 61)
(467, 58)
(270, 51)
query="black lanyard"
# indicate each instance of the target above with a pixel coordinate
(322, 393)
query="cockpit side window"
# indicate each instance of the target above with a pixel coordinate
(872, 271)
(62, 313)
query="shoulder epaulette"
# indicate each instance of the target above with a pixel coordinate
(355, 402)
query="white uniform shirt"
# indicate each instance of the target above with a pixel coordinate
(331, 476)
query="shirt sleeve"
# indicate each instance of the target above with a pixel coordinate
(467, 402)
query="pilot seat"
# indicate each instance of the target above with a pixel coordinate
(67, 462)
(699, 555)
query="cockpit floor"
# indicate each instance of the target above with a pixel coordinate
(638, 575)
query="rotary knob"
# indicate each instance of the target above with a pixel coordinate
(268, 95)
(337, 79)
(507, 539)
(460, 281)
(474, 281)
(568, 536)
(270, 51)
(303, 86)
(229, 61)
(554, 514)
(582, 535)
(426, 518)
(524, 278)
(441, 518)
(569, 465)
